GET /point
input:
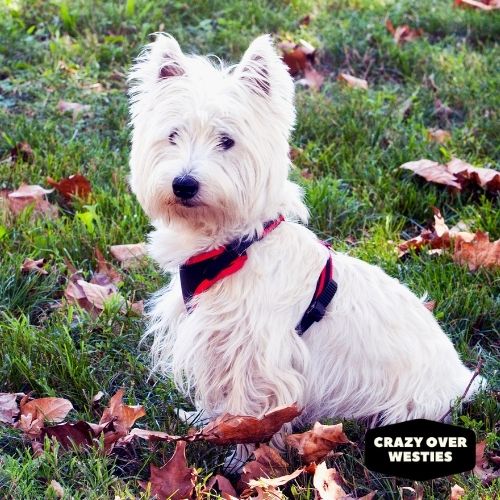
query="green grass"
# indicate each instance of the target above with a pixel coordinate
(352, 142)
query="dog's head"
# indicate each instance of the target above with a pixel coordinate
(210, 143)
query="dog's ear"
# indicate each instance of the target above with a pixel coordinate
(160, 60)
(261, 69)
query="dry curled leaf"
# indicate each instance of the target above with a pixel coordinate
(438, 135)
(482, 470)
(74, 185)
(352, 81)
(31, 195)
(57, 488)
(222, 485)
(267, 463)
(22, 151)
(480, 252)
(175, 480)
(456, 174)
(106, 274)
(300, 59)
(234, 429)
(128, 255)
(319, 442)
(30, 265)
(8, 407)
(404, 33)
(326, 483)
(50, 409)
(122, 415)
(456, 492)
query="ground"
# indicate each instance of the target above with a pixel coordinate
(352, 144)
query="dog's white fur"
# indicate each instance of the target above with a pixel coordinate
(378, 354)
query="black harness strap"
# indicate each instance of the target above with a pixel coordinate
(201, 271)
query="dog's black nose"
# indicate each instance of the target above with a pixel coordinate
(185, 186)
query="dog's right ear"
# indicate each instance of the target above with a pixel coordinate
(159, 61)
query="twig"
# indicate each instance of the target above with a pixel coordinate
(477, 371)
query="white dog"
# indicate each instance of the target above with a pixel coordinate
(209, 165)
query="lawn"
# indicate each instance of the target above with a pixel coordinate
(350, 143)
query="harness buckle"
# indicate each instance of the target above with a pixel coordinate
(316, 311)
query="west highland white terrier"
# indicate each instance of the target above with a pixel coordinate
(252, 317)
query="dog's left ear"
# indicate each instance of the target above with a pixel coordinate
(262, 71)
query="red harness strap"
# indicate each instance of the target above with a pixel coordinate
(203, 270)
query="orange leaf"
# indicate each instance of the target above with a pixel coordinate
(318, 443)
(74, 185)
(234, 429)
(456, 492)
(480, 252)
(50, 409)
(438, 135)
(404, 33)
(27, 195)
(352, 81)
(432, 171)
(122, 415)
(224, 487)
(106, 274)
(175, 480)
(268, 462)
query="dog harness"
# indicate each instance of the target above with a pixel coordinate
(203, 270)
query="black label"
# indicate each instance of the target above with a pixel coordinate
(420, 449)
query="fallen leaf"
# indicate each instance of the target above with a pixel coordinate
(71, 434)
(266, 482)
(175, 480)
(97, 295)
(352, 81)
(137, 308)
(319, 442)
(33, 265)
(456, 173)
(74, 185)
(128, 255)
(8, 407)
(476, 4)
(222, 485)
(432, 171)
(234, 429)
(32, 427)
(300, 59)
(57, 488)
(72, 107)
(456, 492)
(430, 305)
(152, 435)
(122, 415)
(438, 135)
(22, 151)
(97, 397)
(417, 493)
(268, 462)
(480, 252)
(27, 195)
(325, 482)
(106, 274)
(50, 409)
(404, 33)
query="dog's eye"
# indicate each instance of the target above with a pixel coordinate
(225, 142)
(172, 138)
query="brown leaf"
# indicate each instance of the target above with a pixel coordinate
(152, 435)
(352, 81)
(27, 195)
(137, 307)
(128, 255)
(480, 252)
(57, 488)
(22, 151)
(106, 274)
(456, 492)
(300, 59)
(175, 480)
(318, 443)
(268, 463)
(74, 185)
(97, 295)
(456, 173)
(33, 265)
(72, 107)
(481, 470)
(477, 4)
(72, 434)
(404, 33)
(438, 135)
(234, 429)
(430, 305)
(122, 415)
(222, 485)
(432, 171)
(325, 482)
(266, 482)
(8, 407)
(49, 409)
